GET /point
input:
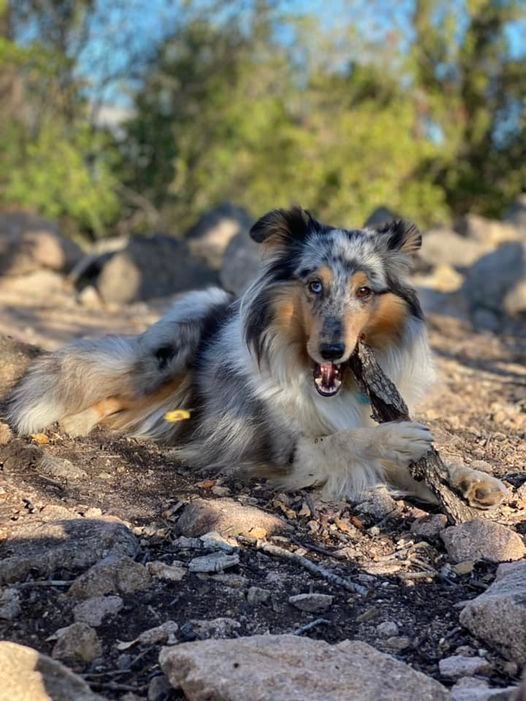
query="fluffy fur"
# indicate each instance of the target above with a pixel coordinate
(245, 367)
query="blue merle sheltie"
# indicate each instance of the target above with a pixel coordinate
(265, 376)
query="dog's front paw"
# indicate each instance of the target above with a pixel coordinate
(478, 489)
(403, 442)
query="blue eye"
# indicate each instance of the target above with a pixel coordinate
(316, 287)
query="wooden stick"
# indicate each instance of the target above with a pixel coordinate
(388, 405)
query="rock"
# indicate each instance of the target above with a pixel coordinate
(215, 562)
(387, 629)
(159, 688)
(28, 675)
(485, 320)
(380, 215)
(471, 691)
(222, 627)
(242, 263)
(60, 469)
(93, 611)
(209, 238)
(379, 504)
(113, 574)
(489, 232)
(429, 526)
(515, 214)
(498, 616)
(451, 304)
(482, 539)
(15, 358)
(443, 246)
(458, 666)
(6, 435)
(77, 642)
(165, 633)
(29, 243)
(170, 573)
(151, 267)
(258, 595)
(496, 280)
(71, 542)
(313, 603)
(397, 643)
(292, 668)
(215, 541)
(10, 604)
(227, 517)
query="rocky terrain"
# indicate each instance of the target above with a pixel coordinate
(125, 576)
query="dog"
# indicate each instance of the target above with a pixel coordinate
(265, 377)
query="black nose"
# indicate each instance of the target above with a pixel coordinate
(332, 351)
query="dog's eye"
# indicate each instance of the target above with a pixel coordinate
(364, 292)
(316, 287)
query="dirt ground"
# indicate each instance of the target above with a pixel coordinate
(477, 412)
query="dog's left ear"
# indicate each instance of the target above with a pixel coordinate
(282, 227)
(400, 235)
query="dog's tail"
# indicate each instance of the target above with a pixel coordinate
(127, 381)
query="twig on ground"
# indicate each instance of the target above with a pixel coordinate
(309, 626)
(45, 583)
(318, 570)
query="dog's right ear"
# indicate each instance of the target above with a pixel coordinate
(282, 227)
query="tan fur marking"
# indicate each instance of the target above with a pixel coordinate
(326, 275)
(358, 280)
(387, 320)
(292, 318)
(130, 410)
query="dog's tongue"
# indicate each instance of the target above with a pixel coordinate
(327, 378)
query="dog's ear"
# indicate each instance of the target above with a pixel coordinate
(281, 227)
(400, 235)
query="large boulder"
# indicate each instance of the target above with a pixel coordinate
(498, 616)
(28, 675)
(292, 668)
(149, 267)
(380, 215)
(497, 282)
(241, 264)
(489, 232)
(210, 236)
(516, 214)
(443, 246)
(29, 243)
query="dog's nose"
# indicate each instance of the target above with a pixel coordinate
(332, 351)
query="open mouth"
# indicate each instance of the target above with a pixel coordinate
(328, 378)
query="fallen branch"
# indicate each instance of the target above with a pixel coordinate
(388, 405)
(311, 567)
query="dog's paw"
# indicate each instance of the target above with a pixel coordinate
(478, 489)
(403, 442)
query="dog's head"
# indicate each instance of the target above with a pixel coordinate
(324, 288)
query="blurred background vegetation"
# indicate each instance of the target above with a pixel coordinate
(129, 116)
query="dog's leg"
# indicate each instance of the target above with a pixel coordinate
(83, 422)
(346, 463)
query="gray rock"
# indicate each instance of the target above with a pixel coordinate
(79, 641)
(215, 562)
(210, 236)
(10, 604)
(113, 574)
(42, 546)
(379, 504)
(443, 246)
(227, 517)
(60, 468)
(380, 215)
(515, 214)
(458, 666)
(157, 266)
(292, 668)
(29, 243)
(93, 611)
(387, 629)
(489, 232)
(159, 688)
(222, 627)
(397, 643)
(28, 675)
(473, 692)
(241, 264)
(482, 539)
(429, 526)
(313, 603)
(493, 281)
(15, 358)
(258, 595)
(498, 616)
